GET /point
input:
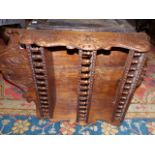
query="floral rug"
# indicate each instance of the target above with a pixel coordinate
(31, 125)
(17, 116)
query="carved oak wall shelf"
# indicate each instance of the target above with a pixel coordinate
(77, 75)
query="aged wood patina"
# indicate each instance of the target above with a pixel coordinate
(73, 71)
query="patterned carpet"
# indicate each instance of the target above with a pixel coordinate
(31, 125)
(17, 116)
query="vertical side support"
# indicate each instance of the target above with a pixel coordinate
(40, 77)
(87, 72)
(132, 76)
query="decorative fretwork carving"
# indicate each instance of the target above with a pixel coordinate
(133, 74)
(87, 65)
(38, 65)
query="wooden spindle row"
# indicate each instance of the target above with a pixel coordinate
(87, 65)
(132, 74)
(38, 65)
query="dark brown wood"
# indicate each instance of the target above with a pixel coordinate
(132, 76)
(44, 64)
(87, 68)
(40, 77)
(81, 40)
